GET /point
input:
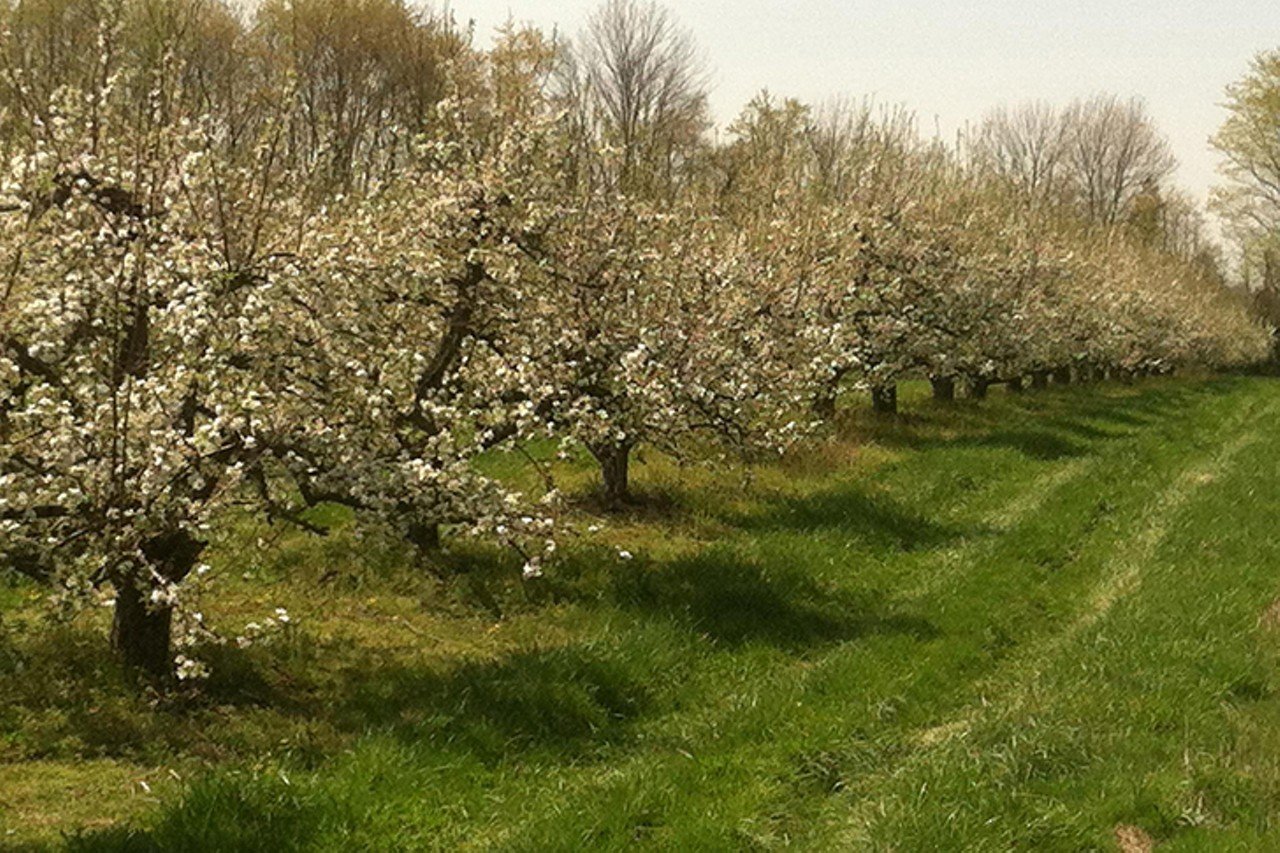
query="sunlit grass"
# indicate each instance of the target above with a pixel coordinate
(1025, 623)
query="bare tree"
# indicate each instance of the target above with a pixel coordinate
(1024, 145)
(640, 81)
(863, 151)
(81, 44)
(367, 75)
(1114, 153)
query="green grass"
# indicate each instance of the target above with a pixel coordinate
(1023, 625)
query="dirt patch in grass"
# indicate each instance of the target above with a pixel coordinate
(1270, 618)
(1132, 839)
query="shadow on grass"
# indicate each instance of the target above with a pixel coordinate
(66, 694)
(565, 700)
(875, 520)
(572, 699)
(1040, 444)
(1047, 427)
(644, 503)
(731, 602)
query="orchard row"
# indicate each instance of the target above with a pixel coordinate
(335, 253)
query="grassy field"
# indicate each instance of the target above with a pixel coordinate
(1051, 622)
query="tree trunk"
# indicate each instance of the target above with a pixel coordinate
(824, 402)
(140, 630)
(424, 535)
(1015, 385)
(884, 399)
(944, 388)
(978, 387)
(1039, 380)
(614, 460)
(1062, 376)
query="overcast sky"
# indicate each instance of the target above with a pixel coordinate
(951, 60)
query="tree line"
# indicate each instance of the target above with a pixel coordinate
(1248, 201)
(334, 252)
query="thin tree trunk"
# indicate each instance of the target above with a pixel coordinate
(614, 461)
(1015, 385)
(944, 388)
(978, 387)
(884, 399)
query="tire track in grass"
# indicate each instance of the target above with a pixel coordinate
(1004, 518)
(1037, 491)
(1016, 683)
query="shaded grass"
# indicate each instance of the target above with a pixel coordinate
(794, 654)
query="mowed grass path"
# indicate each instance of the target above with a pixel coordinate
(1044, 624)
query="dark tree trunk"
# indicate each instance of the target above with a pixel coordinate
(425, 536)
(1062, 375)
(1039, 379)
(884, 399)
(978, 387)
(944, 388)
(140, 630)
(614, 460)
(1015, 385)
(824, 403)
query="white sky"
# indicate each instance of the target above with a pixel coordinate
(950, 60)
